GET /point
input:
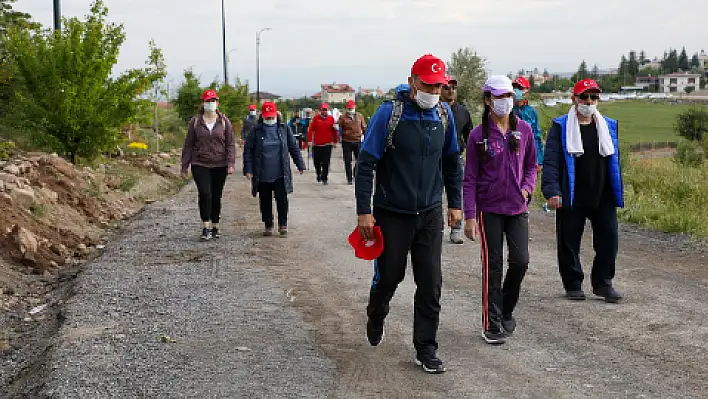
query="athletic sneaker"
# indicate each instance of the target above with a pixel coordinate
(430, 363)
(575, 295)
(374, 332)
(206, 234)
(283, 230)
(268, 232)
(494, 337)
(215, 232)
(509, 324)
(456, 237)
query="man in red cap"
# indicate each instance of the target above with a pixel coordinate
(528, 114)
(352, 125)
(582, 180)
(411, 151)
(463, 126)
(249, 122)
(323, 135)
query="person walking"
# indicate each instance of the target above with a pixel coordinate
(500, 175)
(352, 126)
(582, 180)
(463, 126)
(323, 133)
(528, 114)
(249, 122)
(210, 150)
(266, 162)
(410, 153)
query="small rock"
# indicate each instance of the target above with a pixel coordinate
(12, 169)
(25, 167)
(113, 181)
(164, 155)
(49, 194)
(242, 349)
(147, 164)
(23, 197)
(4, 345)
(53, 264)
(59, 249)
(25, 240)
(2, 185)
(7, 178)
(167, 339)
(82, 249)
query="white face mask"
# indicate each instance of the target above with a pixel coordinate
(352, 111)
(587, 110)
(253, 113)
(210, 106)
(426, 100)
(503, 106)
(270, 122)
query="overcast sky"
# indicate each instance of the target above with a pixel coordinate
(373, 43)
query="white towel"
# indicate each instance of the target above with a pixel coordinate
(573, 141)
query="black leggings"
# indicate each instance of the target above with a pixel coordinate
(210, 185)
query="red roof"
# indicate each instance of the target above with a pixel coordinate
(338, 88)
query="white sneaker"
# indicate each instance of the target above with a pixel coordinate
(456, 237)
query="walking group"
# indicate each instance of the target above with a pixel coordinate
(412, 149)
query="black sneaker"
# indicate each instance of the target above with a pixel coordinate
(509, 324)
(350, 182)
(215, 232)
(374, 332)
(283, 230)
(610, 294)
(206, 234)
(494, 337)
(325, 182)
(319, 179)
(430, 363)
(575, 295)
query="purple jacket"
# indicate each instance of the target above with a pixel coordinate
(495, 185)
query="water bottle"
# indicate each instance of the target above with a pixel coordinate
(545, 205)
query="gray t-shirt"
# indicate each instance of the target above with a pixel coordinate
(272, 155)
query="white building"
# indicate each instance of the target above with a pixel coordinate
(678, 82)
(337, 93)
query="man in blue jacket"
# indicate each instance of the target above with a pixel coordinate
(411, 148)
(582, 180)
(528, 114)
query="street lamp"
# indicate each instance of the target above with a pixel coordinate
(258, 65)
(223, 31)
(57, 15)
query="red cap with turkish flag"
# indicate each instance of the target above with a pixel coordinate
(430, 69)
(269, 110)
(523, 82)
(252, 107)
(209, 95)
(367, 249)
(351, 104)
(585, 85)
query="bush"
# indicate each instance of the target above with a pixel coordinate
(6, 149)
(688, 154)
(692, 124)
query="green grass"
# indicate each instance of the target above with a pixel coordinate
(639, 121)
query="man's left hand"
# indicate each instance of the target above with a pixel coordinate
(230, 170)
(454, 216)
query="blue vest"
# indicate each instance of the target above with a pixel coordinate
(614, 167)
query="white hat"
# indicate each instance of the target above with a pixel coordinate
(498, 85)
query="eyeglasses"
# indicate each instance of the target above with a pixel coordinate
(588, 96)
(449, 87)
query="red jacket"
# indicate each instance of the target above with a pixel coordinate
(322, 131)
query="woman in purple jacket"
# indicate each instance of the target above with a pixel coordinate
(500, 175)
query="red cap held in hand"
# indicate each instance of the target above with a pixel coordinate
(367, 249)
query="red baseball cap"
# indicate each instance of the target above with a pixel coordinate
(209, 95)
(585, 85)
(269, 109)
(451, 79)
(351, 104)
(367, 249)
(252, 107)
(324, 106)
(430, 69)
(523, 82)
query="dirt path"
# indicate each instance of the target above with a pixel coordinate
(285, 317)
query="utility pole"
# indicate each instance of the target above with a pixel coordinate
(223, 31)
(57, 15)
(258, 66)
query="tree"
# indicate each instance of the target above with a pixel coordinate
(642, 58)
(8, 18)
(689, 89)
(692, 124)
(695, 61)
(156, 64)
(545, 72)
(670, 63)
(683, 60)
(68, 97)
(623, 69)
(189, 96)
(633, 64)
(582, 72)
(233, 100)
(469, 70)
(595, 71)
(532, 81)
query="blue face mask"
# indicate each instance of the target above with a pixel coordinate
(519, 94)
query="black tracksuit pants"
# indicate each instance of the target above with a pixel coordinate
(350, 150)
(421, 235)
(266, 192)
(210, 185)
(499, 299)
(321, 156)
(570, 225)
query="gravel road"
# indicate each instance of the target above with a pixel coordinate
(284, 317)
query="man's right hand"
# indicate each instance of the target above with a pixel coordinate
(554, 202)
(184, 175)
(366, 226)
(249, 176)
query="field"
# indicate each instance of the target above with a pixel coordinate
(639, 121)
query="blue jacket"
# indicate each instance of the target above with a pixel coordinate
(409, 177)
(559, 166)
(529, 115)
(253, 155)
